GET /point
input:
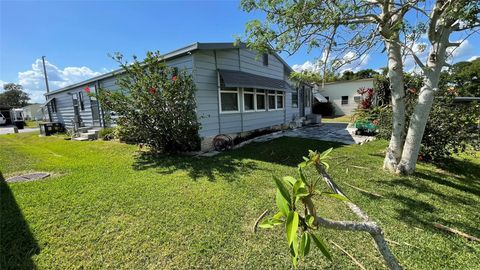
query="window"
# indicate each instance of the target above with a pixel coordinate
(260, 96)
(357, 98)
(265, 59)
(229, 100)
(80, 99)
(295, 98)
(248, 99)
(279, 100)
(344, 100)
(271, 100)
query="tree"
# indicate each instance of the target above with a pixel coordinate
(155, 103)
(352, 28)
(13, 96)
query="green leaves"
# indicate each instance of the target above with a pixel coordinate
(336, 196)
(305, 244)
(282, 204)
(292, 226)
(283, 190)
(321, 245)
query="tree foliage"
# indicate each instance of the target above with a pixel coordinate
(155, 103)
(13, 96)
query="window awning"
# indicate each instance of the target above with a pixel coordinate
(319, 97)
(48, 101)
(233, 78)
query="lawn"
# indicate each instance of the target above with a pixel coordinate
(337, 119)
(107, 206)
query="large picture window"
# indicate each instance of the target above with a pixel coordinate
(279, 100)
(271, 100)
(229, 100)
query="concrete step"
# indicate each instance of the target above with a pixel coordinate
(89, 136)
(80, 139)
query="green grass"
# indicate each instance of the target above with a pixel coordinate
(337, 119)
(31, 123)
(109, 207)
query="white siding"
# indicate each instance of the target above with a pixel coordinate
(335, 91)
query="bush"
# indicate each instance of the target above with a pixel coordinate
(155, 105)
(451, 127)
(107, 133)
(324, 109)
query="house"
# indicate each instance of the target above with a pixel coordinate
(343, 94)
(238, 91)
(33, 112)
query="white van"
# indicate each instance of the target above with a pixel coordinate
(3, 120)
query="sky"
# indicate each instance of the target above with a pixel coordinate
(77, 36)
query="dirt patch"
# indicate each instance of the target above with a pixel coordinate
(28, 177)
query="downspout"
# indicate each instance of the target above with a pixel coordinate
(97, 86)
(218, 92)
(240, 95)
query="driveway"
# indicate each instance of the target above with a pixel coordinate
(9, 130)
(335, 132)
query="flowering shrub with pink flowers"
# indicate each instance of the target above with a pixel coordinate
(155, 105)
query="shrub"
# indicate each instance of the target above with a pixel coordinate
(155, 105)
(107, 133)
(324, 109)
(451, 127)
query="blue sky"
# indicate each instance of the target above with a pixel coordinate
(76, 36)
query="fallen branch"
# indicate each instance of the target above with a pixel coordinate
(348, 254)
(254, 228)
(365, 191)
(455, 231)
(366, 226)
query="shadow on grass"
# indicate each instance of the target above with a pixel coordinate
(196, 167)
(232, 164)
(17, 244)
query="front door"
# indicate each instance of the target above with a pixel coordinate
(77, 119)
(301, 100)
(95, 111)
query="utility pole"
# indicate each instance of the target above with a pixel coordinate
(45, 73)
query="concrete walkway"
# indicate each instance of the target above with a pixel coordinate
(335, 132)
(9, 130)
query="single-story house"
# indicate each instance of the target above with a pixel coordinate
(238, 91)
(343, 94)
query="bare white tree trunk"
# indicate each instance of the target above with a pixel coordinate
(419, 117)
(395, 75)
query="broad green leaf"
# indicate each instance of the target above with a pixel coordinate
(310, 220)
(292, 226)
(305, 158)
(326, 153)
(279, 215)
(290, 180)
(283, 190)
(305, 244)
(265, 224)
(302, 175)
(302, 164)
(282, 204)
(298, 184)
(336, 196)
(321, 245)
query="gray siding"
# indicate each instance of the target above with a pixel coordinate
(65, 111)
(213, 122)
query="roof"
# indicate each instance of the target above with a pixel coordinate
(348, 81)
(173, 54)
(233, 78)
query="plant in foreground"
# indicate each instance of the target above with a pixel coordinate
(301, 226)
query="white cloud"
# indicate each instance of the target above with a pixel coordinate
(349, 61)
(473, 58)
(34, 83)
(307, 66)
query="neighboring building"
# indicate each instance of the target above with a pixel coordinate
(343, 94)
(237, 91)
(33, 112)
